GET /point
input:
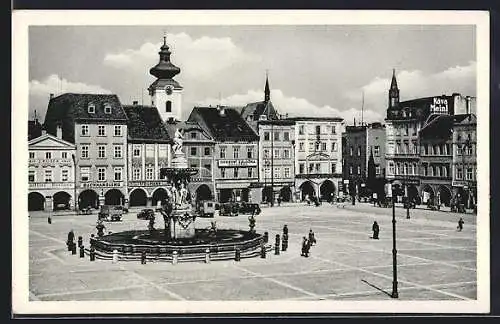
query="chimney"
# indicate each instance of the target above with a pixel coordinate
(222, 111)
(51, 96)
(44, 132)
(135, 103)
(467, 105)
(59, 131)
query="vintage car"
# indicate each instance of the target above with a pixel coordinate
(146, 214)
(234, 209)
(206, 208)
(111, 213)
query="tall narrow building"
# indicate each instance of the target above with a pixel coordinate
(165, 92)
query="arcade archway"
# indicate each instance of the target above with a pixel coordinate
(203, 192)
(444, 195)
(114, 197)
(36, 201)
(138, 197)
(413, 194)
(159, 195)
(427, 193)
(61, 200)
(307, 189)
(327, 190)
(286, 194)
(267, 194)
(88, 198)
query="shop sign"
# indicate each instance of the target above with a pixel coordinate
(237, 163)
(439, 105)
(101, 184)
(147, 183)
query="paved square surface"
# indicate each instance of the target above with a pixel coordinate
(435, 261)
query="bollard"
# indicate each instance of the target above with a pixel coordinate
(284, 242)
(277, 245)
(175, 257)
(82, 251)
(143, 257)
(237, 255)
(73, 248)
(115, 256)
(49, 220)
(80, 241)
(92, 253)
(262, 251)
(207, 256)
(266, 237)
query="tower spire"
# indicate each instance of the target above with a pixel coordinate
(267, 92)
(393, 91)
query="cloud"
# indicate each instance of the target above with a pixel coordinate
(417, 84)
(294, 107)
(200, 58)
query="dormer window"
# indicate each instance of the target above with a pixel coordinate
(107, 108)
(91, 108)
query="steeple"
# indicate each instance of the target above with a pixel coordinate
(164, 69)
(267, 92)
(393, 91)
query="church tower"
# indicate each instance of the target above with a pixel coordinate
(393, 91)
(267, 92)
(165, 92)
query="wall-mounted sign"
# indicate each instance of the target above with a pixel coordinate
(148, 183)
(100, 184)
(439, 105)
(237, 163)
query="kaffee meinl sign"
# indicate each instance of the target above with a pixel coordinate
(237, 163)
(439, 105)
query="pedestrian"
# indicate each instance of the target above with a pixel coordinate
(304, 244)
(312, 240)
(376, 230)
(285, 230)
(460, 226)
(307, 248)
(279, 201)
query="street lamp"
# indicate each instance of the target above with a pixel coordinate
(75, 201)
(394, 251)
(465, 145)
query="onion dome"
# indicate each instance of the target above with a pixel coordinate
(164, 69)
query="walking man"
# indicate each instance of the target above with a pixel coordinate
(304, 246)
(312, 240)
(460, 226)
(376, 230)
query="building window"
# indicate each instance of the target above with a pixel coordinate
(377, 170)
(459, 150)
(249, 152)
(118, 174)
(118, 151)
(316, 146)
(85, 174)
(391, 167)
(398, 148)
(101, 151)
(193, 135)
(276, 153)
(101, 130)
(222, 152)
(468, 150)
(276, 136)
(222, 172)
(318, 130)
(91, 108)
(406, 129)
(286, 172)
(168, 106)
(405, 170)
(48, 175)
(137, 151)
(84, 130)
(136, 173)
(101, 174)
(266, 136)
(286, 154)
(48, 155)
(266, 154)
(162, 151)
(334, 146)
(311, 167)
(193, 151)
(236, 172)
(250, 172)
(350, 169)
(236, 152)
(334, 129)
(85, 152)
(286, 136)
(32, 155)
(301, 168)
(301, 146)
(64, 175)
(351, 151)
(208, 166)
(376, 150)
(149, 173)
(31, 176)
(277, 172)
(301, 130)
(334, 167)
(207, 151)
(118, 130)
(323, 146)
(424, 169)
(468, 175)
(64, 155)
(107, 108)
(413, 169)
(459, 173)
(407, 148)
(359, 170)
(359, 150)
(150, 151)
(445, 171)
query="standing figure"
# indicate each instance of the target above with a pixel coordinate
(100, 228)
(178, 139)
(312, 239)
(376, 230)
(304, 246)
(285, 230)
(460, 226)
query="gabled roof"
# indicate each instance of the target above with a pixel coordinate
(75, 106)
(256, 109)
(48, 140)
(465, 119)
(145, 125)
(227, 127)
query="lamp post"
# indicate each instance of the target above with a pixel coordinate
(407, 188)
(272, 165)
(75, 201)
(394, 251)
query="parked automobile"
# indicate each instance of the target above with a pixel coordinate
(86, 210)
(61, 206)
(206, 208)
(111, 213)
(146, 214)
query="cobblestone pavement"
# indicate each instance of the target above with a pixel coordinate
(435, 261)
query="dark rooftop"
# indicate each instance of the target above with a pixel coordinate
(256, 109)
(337, 119)
(438, 127)
(145, 124)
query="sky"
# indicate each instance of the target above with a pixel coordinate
(322, 70)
